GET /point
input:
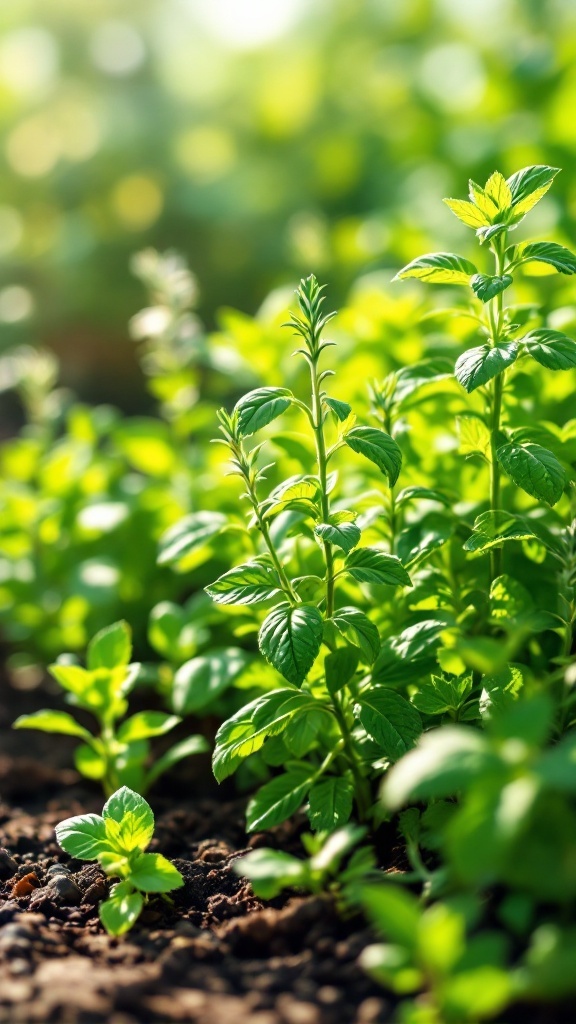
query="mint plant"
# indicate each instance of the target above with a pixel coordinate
(118, 839)
(326, 723)
(118, 753)
(494, 211)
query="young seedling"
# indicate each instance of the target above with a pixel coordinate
(328, 725)
(118, 752)
(494, 211)
(117, 839)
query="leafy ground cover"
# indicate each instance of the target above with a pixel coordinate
(362, 600)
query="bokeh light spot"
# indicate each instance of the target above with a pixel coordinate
(117, 48)
(16, 303)
(246, 24)
(137, 201)
(452, 76)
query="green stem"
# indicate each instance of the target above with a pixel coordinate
(496, 322)
(361, 786)
(392, 515)
(265, 531)
(318, 426)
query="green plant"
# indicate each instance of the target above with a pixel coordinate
(118, 753)
(117, 839)
(494, 211)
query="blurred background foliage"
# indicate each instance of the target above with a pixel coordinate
(262, 140)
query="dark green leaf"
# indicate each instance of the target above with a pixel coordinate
(258, 408)
(486, 287)
(330, 803)
(496, 527)
(302, 730)
(532, 179)
(340, 667)
(479, 365)
(279, 799)
(357, 628)
(245, 584)
(188, 534)
(389, 720)
(534, 469)
(439, 268)
(341, 409)
(245, 732)
(370, 565)
(551, 348)
(555, 255)
(344, 535)
(290, 639)
(199, 681)
(379, 448)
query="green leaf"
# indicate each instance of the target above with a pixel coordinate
(467, 212)
(245, 584)
(302, 730)
(188, 534)
(482, 200)
(340, 667)
(555, 255)
(118, 914)
(340, 409)
(358, 629)
(290, 639)
(379, 448)
(496, 527)
(441, 695)
(201, 680)
(420, 539)
(533, 468)
(144, 724)
(439, 268)
(134, 816)
(83, 836)
(297, 495)
(411, 379)
(409, 494)
(478, 365)
(151, 872)
(444, 762)
(551, 348)
(186, 748)
(524, 183)
(330, 803)
(395, 912)
(344, 535)
(245, 731)
(389, 720)
(486, 287)
(111, 647)
(72, 678)
(258, 408)
(279, 799)
(270, 871)
(474, 436)
(52, 721)
(89, 762)
(498, 189)
(370, 565)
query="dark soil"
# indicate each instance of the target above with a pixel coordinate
(216, 954)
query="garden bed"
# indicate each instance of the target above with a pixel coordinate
(217, 954)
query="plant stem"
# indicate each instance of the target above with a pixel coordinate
(496, 412)
(361, 787)
(265, 531)
(318, 426)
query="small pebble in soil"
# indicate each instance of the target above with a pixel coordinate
(58, 869)
(8, 866)
(64, 890)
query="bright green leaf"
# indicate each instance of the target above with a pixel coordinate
(439, 268)
(533, 468)
(379, 448)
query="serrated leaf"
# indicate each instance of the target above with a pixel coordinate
(498, 189)
(377, 446)
(486, 287)
(330, 803)
(358, 629)
(151, 872)
(290, 639)
(52, 721)
(340, 409)
(188, 534)
(555, 255)
(467, 212)
(344, 535)
(478, 365)
(370, 565)
(497, 527)
(83, 836)
(279, 799)
(483, 201)
(389, 720)
(525, 182)
(249, 583)
(144, 724)
(111, 647)
(119, 913)
(246, 731)
(441, 695)
(199, 681)
(340, 667)
(297, 495)
(551, 348)
(258, 408)
(439, 268)
(134, 816)
(533, 468)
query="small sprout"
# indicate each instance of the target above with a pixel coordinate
(117, 839)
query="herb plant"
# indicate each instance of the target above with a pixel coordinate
(118, 753)
(118, 839)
